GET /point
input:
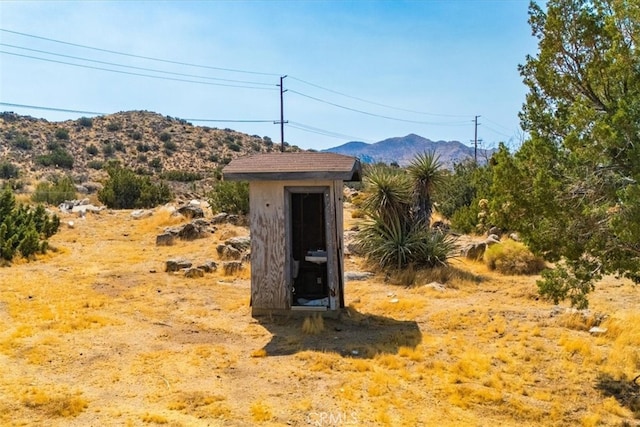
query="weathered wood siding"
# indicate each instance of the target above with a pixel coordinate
(268, 245)
(270, 267)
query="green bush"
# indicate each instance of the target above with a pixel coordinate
(54, 193)
(126, 190)
(23, 230)
(170, 146)
(58, 157)
(511, 257)
(23, 142)
(165, 136)
(156, 163)
(62, 133)
(136, 135)
(86, 122)
(8, 170)
(234, 147)
(92, 150)
(231, 197)
(95, 164)
(143, 148)
(114, 126)
(181, 176)
(108, 150)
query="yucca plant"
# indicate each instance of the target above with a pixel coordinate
(389, 193)
(395, 235)
(426, 172)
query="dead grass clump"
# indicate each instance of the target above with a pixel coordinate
(200, 405)
(624, 358)
(58, 404)
(313, 325)
(261, 412)
(579, 320)
(511, 257)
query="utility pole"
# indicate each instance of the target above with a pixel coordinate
(282, 122)
(475, 140)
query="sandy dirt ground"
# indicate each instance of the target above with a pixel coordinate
(96, 333)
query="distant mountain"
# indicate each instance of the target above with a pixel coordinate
(403, 149)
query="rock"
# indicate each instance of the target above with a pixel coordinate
(81, 189)
(93, 187)
(193, 272)
(357, 275)
(231, 267)
(436, 286)
(219, 218)
(86, 208)
(191, 211)
(141, 213)
(71, 224)
(190, 232)
(241, 243)
(208, 266)
(350, 245)
(228, 252)
(495, 231)
(596, 330)
(492, 239)
(177, 264)
(515, 237)
(165, 239)
(474, 251)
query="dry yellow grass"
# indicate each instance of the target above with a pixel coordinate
(97, 334)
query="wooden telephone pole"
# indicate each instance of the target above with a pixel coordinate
(282, 122)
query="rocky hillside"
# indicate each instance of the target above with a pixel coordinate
(403, 149)
(141, 140)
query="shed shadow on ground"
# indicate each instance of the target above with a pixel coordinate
(353, 334)
(626, 392)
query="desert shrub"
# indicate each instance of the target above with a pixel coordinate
(95, 164)
(511, 257)
(119, 146)
(23, 230)
(230, 197)
(86, 122)
(8, 170)
(108, 150)
(58, 157)
(114, 126)
(214, 158)
(142, 148)
(357, 214)
(136, 135)
(170, 146)
(182, 176)
(234, 146)
(126, 190)
(54, 145)
(199, 144)
(156, 163)
(62, 133)
(22, 142)
(465, 219)
(92, 150)
(54, 193)
(165, 136)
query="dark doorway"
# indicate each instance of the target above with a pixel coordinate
(309, 248)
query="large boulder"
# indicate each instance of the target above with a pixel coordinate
(241, 243)
(177, 264)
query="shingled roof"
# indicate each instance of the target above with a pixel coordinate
(294, 166)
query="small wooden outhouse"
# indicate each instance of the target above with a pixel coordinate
(296, 225)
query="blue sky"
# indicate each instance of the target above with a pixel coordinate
(425, 67)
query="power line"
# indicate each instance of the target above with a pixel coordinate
(457, 123)
(63, 110)
(136, 68)
(135, 74)
(373, 102)
(234, 70)
(312, 129)
(94, 113)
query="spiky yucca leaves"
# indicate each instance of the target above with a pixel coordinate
(396, 244)
(426, 172)
(389, 193)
